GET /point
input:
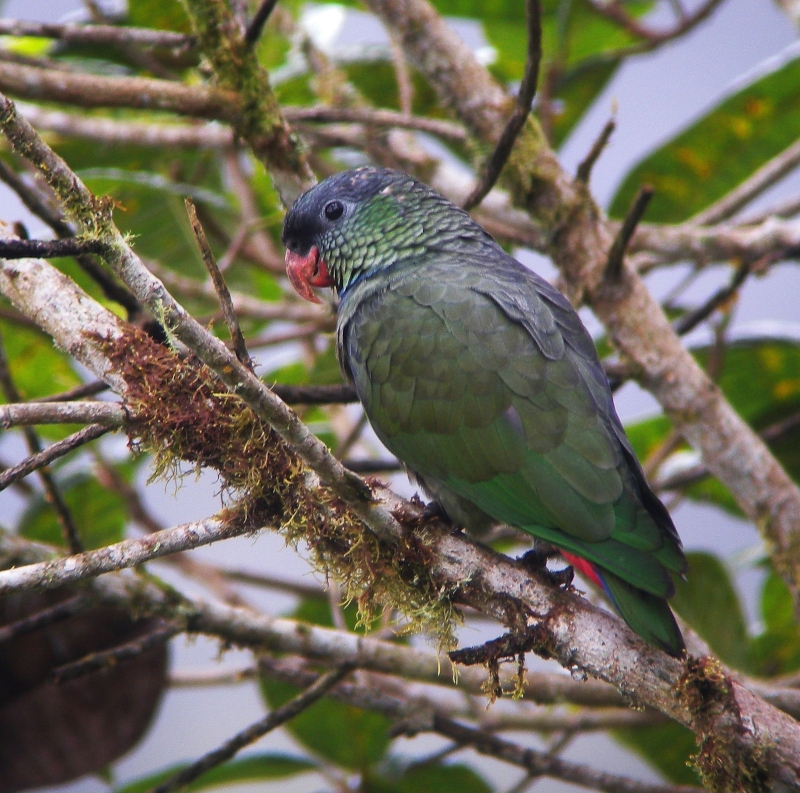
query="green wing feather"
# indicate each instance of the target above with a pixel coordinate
(487, 386)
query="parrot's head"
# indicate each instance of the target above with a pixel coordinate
(358, 222)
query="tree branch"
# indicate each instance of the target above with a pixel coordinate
(96, 34)
(261, 122)
(614, 11)
(121, 555)
(585, 168)
(616, 254)
(108, 658)
(51, 453)
(656, 245)
(766, 176)
(527, 91)
(256, 26)
(316, 689)
(413, 716)
(48, 249)
(88, 90)
(224, 295)
(17, 414)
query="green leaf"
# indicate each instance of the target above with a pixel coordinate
(149, 186)
(777, 609)
(666, 747)
(777, 650)
(720, 150)
(256, 768)
(440, 778)
(349, 737)
(158, 14)
(346, 736)
(99, 514)
(37, 367)
(708, 601)
(761, 379)
(575, 91)
(647, 435)
(427, 778)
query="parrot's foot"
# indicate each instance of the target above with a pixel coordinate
(536, 561)
(433, 510)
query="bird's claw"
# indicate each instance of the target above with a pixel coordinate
(433, 510)
(536, 561)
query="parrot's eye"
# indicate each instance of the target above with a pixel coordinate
(334, 210)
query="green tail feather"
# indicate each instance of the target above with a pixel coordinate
(648, 615)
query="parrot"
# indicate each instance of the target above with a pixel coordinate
(480, 377)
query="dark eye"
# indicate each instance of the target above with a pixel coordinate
(334, 210)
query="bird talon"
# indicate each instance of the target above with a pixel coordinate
(434, 511)
(562, 578)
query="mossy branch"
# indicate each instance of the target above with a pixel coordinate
(235, 64)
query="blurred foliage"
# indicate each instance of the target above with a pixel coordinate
(720, 150)
(263, 767)
(581, 53)
(761, 379)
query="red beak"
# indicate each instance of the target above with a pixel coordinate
(307, 271)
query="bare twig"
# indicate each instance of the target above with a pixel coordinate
(52, 493)
(48, 616)
(109, 130)
(766, 176)
(108, 414)
(545, 764)
(51, 453)
(527, 91)
(415, 715)
(780, 428)
(90, 90)
(97, 34)
(108, 658)
(690, 321)
(787, 208)
(316, 394)
(217, 136)
(377, 118)
(696, 473)
(584, 171)
(321, 686)
(48, 249)
(121, 555)
(270, 582)
(253, 33)
(617, 253)
(405, 87)
(662, 244)
(615, 11)
(79, 392)
(228, 311)
(212, 677)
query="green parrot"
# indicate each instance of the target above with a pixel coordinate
(481, 378)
